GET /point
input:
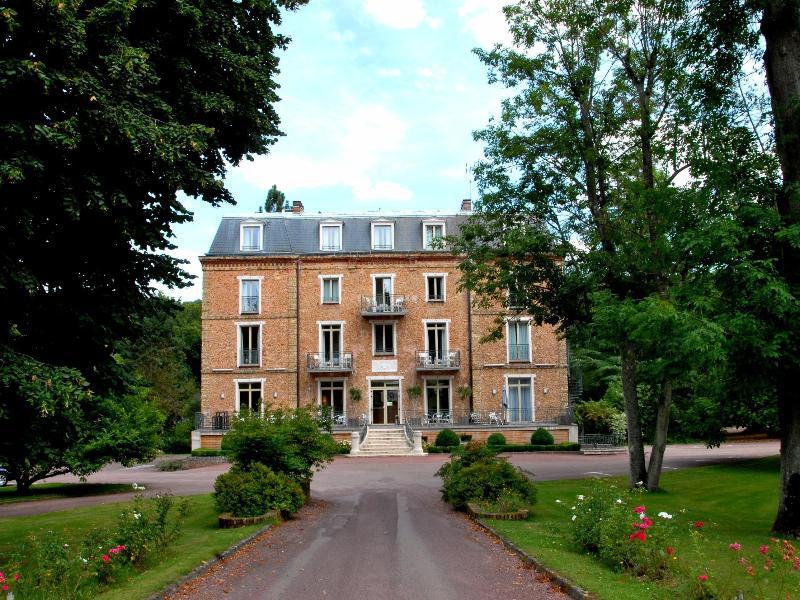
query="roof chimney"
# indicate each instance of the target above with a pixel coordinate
(297, 207)
(466, 205)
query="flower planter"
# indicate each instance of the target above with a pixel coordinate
(477, 511)
(228, 521)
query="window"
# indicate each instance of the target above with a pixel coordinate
(434, 288)
(518, 399)
(519, 349)
(250, 237)
(433, 235)
(249, 396)
(331, 285)
(383, 336)
(330, 236)
(331, 395)
(383, 236)
(249, 345)
(331, 344)
(249, 296)
(436, 341)
(437, 398)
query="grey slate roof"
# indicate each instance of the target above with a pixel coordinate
(293, 233)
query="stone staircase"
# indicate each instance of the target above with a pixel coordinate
(386, 441)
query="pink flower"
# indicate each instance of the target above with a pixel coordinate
(703, 577)
(639, 510)
(106, 558)
(5, 588)
(768, 565)
(646, 522)
(698, 524)
(763, 549)
(16, 576)
(751, 570)
(796, 564)
(735, 546)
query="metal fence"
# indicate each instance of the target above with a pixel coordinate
(383, 304)
(602, 440)
(487, 417)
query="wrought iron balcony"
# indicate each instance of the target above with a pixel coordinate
(249, 357)
(249, 304)
(519, 353)
(383, 305)
(217, 421)
(431, 361)
(332, 362)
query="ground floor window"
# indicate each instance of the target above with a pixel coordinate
(519, 399)
(331, 395)
(437, 397)
(249, 395)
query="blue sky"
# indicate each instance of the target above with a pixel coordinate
(379, 99)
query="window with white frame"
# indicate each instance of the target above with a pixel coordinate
(250, 237)
(434, 288)
(331, 289)
(249, 345)
(331, 395)
(330, 236)
(249, 394)
(433, 235)
(519, 349)
(437, 398)
(519, 399)
(250, 296)
(383, 338)
(436, 341)
(383, 236)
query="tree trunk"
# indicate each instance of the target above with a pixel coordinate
(780, 26)
(638, 472)
(660, 439)
(23, 485)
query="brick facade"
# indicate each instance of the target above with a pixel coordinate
(291, 311)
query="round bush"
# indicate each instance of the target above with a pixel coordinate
(486, 480)
(256, 490)
(447, 438)
(542, 437)
(496, 439)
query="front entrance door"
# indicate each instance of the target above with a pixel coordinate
(385, 402)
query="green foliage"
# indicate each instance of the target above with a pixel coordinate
(507, 502)
(446, 438)
(255, 490)
(275, 201)
(343, 447)
(66, 427)
(596, 417)
(51, 565)
(206, 452)
(496, 439)
(286, 441)
(355, 394)
(475, 473)
(542, 437)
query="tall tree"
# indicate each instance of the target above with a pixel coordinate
(276, 200)
(109, 109)
(591, 165)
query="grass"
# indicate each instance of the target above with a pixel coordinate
(49, 491)
(736, 501)
(200, 539)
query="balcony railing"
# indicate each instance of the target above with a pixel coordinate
(321, 362)
(249, 357)
(487, 417)
(383, 305)
(249, 304)
(519, 353)
(430, 361)
(217, 421)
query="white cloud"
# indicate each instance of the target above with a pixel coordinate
(342, 36)
(432, 72)
(387, 72)
(349, 151)
(457, 173)
(485, 20)
(400, 14)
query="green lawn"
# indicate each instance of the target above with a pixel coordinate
(48, 491)
(737, 502)
(200, 540)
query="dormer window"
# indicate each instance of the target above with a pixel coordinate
(250, 236)
(433, 235)
(330, 236)
(383, 236)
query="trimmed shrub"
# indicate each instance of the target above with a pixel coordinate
(343, 447)
(256, 490)
(496, 439)
(476, 473)
(206, 452)
(542, 437)
(447, 438)
(562, 447)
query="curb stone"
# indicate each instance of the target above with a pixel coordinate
(201, 569)
(570, 588)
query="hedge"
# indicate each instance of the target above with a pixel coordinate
(562, 447)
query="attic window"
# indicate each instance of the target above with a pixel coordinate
(250, 236)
